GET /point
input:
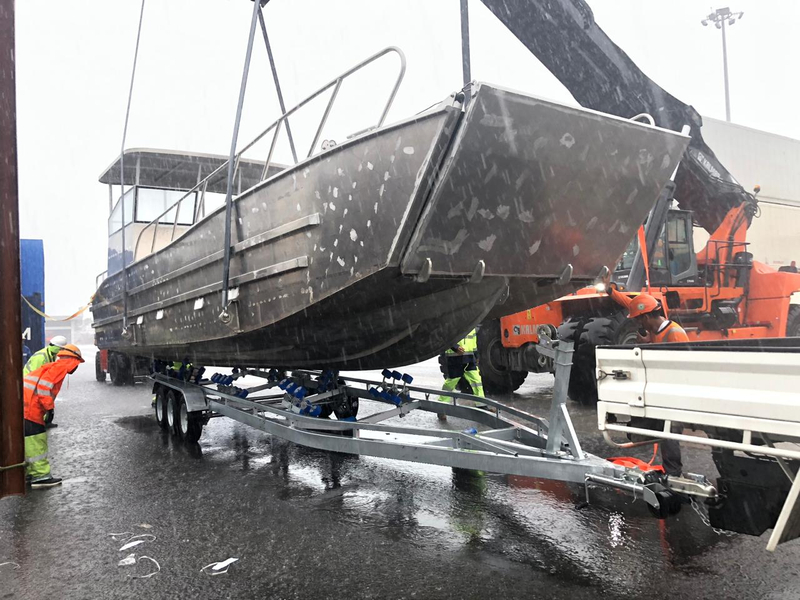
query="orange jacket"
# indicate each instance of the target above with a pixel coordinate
(42, 386)
(671, 333)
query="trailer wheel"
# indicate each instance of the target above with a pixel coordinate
(173, 401)
(496, 378)
(793, 321)
(99, 374)
(668, 504)
(346, 408)
(160, 407)
(189, 425)
(587, 335)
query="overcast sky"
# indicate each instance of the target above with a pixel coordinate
(74, 60)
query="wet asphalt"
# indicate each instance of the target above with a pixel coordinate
(309, 524)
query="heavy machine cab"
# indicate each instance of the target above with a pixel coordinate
(673, 262)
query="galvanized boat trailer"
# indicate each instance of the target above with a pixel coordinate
(502, 440)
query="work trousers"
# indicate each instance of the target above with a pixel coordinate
(37, 467)
(472, 375)
(671, 453)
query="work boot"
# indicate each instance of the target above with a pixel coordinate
(441, 416)
(45, 483)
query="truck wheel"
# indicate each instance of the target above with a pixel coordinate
(793, 322)
(119, 367)
(496, 378)
(189, 425)
(113, 370)
(160, 407)
(173, 402)
(587, 335)
(99, 374)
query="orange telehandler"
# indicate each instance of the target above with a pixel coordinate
(718, 292)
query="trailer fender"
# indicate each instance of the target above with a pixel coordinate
(195, 399)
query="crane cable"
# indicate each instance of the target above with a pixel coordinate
(122, 172)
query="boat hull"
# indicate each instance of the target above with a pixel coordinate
(346, 260)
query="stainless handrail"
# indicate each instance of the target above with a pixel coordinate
(276, 126)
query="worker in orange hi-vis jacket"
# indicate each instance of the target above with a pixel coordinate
(41, 388)
(649, 314)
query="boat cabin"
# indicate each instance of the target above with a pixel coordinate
(165, 194)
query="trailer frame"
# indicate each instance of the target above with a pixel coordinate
(511, 441)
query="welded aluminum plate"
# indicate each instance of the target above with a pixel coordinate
(532, 186)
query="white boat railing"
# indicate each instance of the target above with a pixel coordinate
(275, 127)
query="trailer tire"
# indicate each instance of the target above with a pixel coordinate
(793, 321)
(160, 407)
(173, 402)
(189, 426)
(99, 374)
(587, 334)
(496, 378)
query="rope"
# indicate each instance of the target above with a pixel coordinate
(49, 318)
(8, 467)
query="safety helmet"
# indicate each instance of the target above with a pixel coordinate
(58, 340)
(641, 305)
(70, 351)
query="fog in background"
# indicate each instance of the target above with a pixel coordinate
(74, 61)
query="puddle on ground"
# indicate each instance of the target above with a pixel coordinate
(138, 423)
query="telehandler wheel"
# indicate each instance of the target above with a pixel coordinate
(189, 425)
(160, 407)
(587, 334)
(793, 321)
(496, 378)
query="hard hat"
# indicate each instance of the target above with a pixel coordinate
(70, 351)
(58, 340)
(642, 304)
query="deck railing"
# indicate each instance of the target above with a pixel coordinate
(275, 127)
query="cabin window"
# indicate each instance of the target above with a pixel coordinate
(151, 203)
(115, 220)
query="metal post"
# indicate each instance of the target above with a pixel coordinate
(226, 264)
(12, 454)
(725, 71)
(720, 18)
(277, 83)
(465, 58)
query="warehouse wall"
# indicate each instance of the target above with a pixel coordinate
(772, 161)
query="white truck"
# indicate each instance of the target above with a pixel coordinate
(740, 397)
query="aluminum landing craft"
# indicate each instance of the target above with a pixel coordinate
(386, 248)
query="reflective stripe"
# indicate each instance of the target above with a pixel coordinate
(30, 386)
(42, 382)
(33, 459)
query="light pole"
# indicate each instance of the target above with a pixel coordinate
(719, 17)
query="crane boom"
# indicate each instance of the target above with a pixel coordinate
(564, 36)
